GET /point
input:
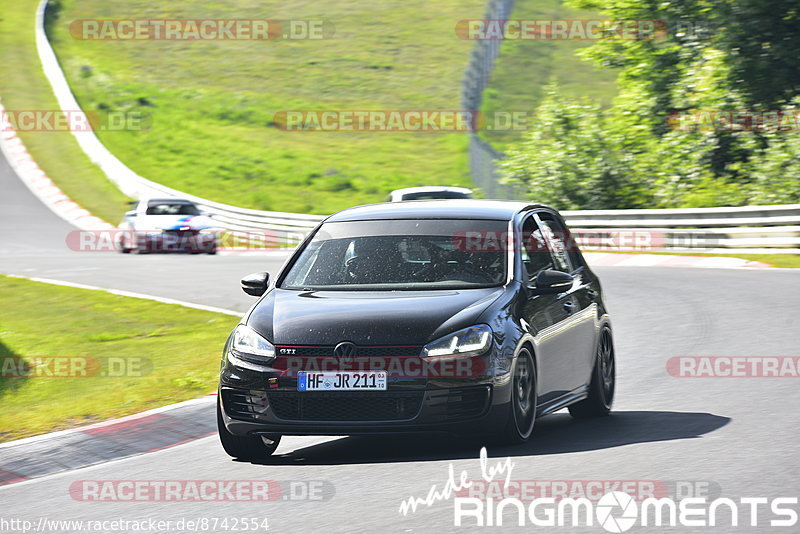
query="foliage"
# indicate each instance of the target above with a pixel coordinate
(639, 153)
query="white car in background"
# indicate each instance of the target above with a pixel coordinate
(167, 225)
(429, 193)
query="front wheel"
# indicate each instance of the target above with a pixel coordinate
(523, 400)
(601, 389)
(123, 246)
(245, 447)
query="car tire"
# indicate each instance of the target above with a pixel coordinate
(142, 247)
(523, 405)
(245, 447)
(213, 251)
(122, 247)
(601, 389)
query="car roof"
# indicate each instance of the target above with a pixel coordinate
(504, 210)
(430, 189)
(174, 200)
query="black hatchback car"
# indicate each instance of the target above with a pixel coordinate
(466, 316)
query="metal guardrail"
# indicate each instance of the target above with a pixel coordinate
(745, 229)
(755, 229)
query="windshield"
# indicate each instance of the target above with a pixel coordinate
(399, 255)
(172, 208)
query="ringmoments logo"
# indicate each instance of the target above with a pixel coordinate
(615, 511)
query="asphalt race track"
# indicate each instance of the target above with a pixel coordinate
(738, 435)
(33, 243)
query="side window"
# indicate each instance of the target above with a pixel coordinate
(559, 242)
(535, 256)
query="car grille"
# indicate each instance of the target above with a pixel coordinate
(345, 406)
(180, 232)
(362, 351)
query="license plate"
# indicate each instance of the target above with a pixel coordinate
(341, 381)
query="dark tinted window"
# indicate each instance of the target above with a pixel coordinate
(534, 250)
(435, 195)
(171, 208)
(561, 243)
(402, 254)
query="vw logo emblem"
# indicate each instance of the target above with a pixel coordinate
(345, 351)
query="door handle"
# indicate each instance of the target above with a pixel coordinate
(570, 306)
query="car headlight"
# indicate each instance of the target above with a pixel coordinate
(248, 345)
(472, 341)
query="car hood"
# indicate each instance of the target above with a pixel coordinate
(173, 222)
(287, 317)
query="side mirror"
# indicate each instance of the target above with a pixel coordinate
(206, 214)
(255, 284)
(550, 281)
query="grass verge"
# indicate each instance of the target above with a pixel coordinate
(23, 86)
(210, 104)
(164, 354)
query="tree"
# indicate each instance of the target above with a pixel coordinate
(717, 55)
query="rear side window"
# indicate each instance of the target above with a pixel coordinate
(534, 251)
(562, 246)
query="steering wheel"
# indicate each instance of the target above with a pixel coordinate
(355, 267)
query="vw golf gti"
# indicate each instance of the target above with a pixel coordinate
(472, 317)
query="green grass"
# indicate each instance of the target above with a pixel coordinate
(210, 104)
(23, 86)
(523, 68)
(775, 260)
(178, 349)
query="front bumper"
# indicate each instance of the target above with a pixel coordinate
(458, 410)
(176, 241)
(255, 402)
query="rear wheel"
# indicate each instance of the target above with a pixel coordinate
(601, 389)
(523, 400)
(245, 447)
